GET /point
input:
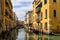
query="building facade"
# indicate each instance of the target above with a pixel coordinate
(7, 15)
(15, 19)
(0, 17)
(29, 20)
(48, 13)
(28, 17)
(36, 21)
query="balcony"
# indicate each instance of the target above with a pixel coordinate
(30, 22)
(38, 8)
(38, 19)
(0, 23)
(9, 10)
(8, 4)
(6, 13)
(38, 1)
(11, 17)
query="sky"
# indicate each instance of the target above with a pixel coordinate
(20, 7)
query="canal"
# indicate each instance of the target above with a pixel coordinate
(22, 35)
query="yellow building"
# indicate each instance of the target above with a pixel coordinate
(15, 19)
(29, 20)
(7, 15)
(28, 17)
(36, 21)
(48, 13)
(0, 18)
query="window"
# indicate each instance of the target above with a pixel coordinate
(39, 7)
(6, 13)
(45, 1)
(46, 26)
(0, 23)
(46, 14)
(7, 4)
(54, 13)
(54, 0)
(41, 26)
(40, 4)
(41, 16)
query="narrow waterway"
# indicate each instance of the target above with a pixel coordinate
(22, 35)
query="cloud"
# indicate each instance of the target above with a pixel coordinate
(20, 7)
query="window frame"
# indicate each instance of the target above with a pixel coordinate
(46, 14)
(54, 11)
(45, 1)
(54, 1)
(46, 26)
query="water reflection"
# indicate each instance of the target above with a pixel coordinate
(22, 35)
(12, 35)
(32, 36)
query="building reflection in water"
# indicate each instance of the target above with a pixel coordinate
(22, 35)
(33, 36)
(12, 35)
(36, 37)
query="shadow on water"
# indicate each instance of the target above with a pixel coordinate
(22, 35)
(9, 35)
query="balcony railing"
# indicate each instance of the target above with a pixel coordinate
(38, 1)
(38, 8)
(9, 4)
(30, 22)
(38, 19)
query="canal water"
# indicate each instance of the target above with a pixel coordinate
(22, 35)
